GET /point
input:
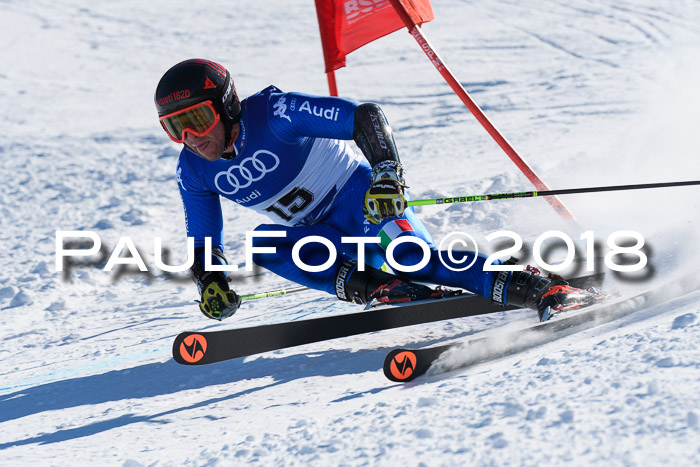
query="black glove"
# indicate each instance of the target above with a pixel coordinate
(385, 196)
(218, 301)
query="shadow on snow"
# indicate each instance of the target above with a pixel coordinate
(159, 379)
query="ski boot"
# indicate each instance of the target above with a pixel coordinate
(374, 285)
(548, 295)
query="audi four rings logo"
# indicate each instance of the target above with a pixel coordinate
(251, 169)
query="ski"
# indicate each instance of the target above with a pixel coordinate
(201, 348)
(403, 365)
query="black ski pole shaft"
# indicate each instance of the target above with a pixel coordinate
(533, 194)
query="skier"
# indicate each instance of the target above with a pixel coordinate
(285, 155)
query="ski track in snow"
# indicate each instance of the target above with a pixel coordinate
(590, 92)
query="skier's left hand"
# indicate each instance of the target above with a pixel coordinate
(385, 197)
(218, 301)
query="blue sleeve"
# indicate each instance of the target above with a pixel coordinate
(203, 216)
(295, 115)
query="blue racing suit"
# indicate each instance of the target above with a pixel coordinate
(293, 164)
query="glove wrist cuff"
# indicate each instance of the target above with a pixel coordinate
(202, 277)
(388, 169)
(213, 276)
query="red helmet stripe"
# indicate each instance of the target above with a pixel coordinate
(213, 66)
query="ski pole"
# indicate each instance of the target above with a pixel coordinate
(273, 293)
(488, 197)
(533, 194)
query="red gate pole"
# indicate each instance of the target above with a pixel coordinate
(457, 87)
(332, 86)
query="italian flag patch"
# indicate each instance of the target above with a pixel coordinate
(392, 230)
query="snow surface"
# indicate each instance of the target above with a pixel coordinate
(590, 92)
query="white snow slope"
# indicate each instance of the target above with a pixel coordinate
(591, 92)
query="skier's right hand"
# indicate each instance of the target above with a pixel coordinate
(217, 300)
(385, 197)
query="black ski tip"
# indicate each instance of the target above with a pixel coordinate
(400, 365)
(403, 365)
(190, 348)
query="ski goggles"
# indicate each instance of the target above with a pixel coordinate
(198, 119)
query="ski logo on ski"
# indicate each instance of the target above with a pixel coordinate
(193, 348)
(402, 365)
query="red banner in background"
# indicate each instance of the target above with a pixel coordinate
(347, 25)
